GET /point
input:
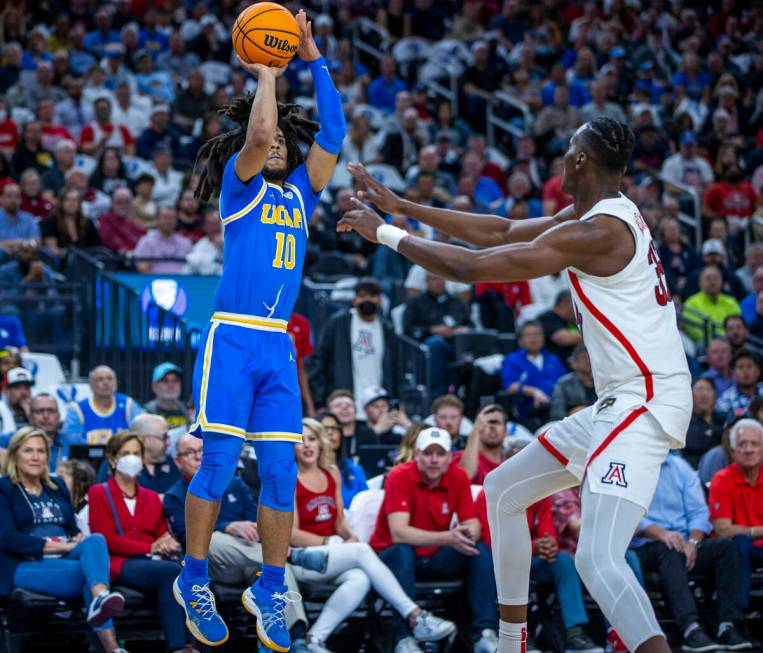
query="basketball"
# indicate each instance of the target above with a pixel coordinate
(266, 33)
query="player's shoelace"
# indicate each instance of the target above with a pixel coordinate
(274, 615)
(203, 602)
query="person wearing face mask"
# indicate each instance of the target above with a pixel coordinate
(356, 350)
(131, 518)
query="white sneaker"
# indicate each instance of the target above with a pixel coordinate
(407, 645)
(429, 628)
(315, 646)
(488, 642)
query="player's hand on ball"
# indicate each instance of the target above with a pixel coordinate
(376, 193)
(361, 219)
(258, 69)
(307, 50)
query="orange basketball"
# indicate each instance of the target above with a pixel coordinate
(266, 33)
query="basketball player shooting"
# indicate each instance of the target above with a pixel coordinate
(628, 322)
(245, 379)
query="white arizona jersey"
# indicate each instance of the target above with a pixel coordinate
(629, 327)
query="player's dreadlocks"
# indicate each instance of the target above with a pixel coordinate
(610, 142)
(296, 129)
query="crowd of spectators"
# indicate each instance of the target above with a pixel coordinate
(103, 108)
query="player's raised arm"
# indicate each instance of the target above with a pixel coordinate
(263, 120)
(474, 228)
(586, 245)
(321, 160)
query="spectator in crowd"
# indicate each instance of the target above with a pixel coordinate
(32, 199)
(52, 131)
(357, 347)
(531, 372)
(53, 178)
(109, 173)
(756, 327)
(102, 132)
(192, 103)
(752, 262)
(299, 331)
(176, 60)
(714, 252)
(129, 109)
(42, 548)
(748, 304)
(382, 90)
(354, 432)
(319, 520)
(12, 334)
(736, 499)
(206, 256)
(706, 425)
(731, 196)
(167, 386)
(150, 82)
(79, 476)
(235, 553)
(414, 538)
(556, 122)
(718, 359)
(189, 216)
(18, 394)
(388, 423)
(673, 541)
(448, 414)
(560, 330)
(103, 34)
(574, 389)
(144, 209)
(736, 333)
(484, 448)
(68, 226)
(600, 105)
(159, 471)
(97, 419)
(118, 231)
(709, 304)
(45, 416)
(16, 226)
(161, 244)
(353, 478)
(143, 552)
(551, 565)
(29, 275)
(29, 152)
(686, 166)
(159, 132)
(745, 368)
(678, 257)
(434, 317)
(167, 180)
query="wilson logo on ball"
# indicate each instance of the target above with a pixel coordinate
(275, 43)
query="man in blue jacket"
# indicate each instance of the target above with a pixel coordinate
(531, 372)
(235, 552)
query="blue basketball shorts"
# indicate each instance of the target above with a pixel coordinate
(245, 380)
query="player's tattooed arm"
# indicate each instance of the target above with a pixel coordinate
(601, 246)
(474, 228)
(263, 121)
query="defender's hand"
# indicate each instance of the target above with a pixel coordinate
(307, 50)
(362, 219)
(375, 192)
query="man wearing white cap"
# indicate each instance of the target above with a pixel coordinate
(18, 394)
(387, 422)
(416, 538)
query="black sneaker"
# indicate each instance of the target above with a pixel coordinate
(732, 640)
(579, 642)
(697, 641)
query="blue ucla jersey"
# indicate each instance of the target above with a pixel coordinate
(266, 231)
(99, 427)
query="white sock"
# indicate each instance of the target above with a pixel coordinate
(512, 638)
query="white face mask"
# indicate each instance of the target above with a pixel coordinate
(130, 465)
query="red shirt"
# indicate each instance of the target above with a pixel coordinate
(431, 509)
(9, 135)
(52, 134)
(731, 200)
(119, 234)
(93, 132)
(552, 192)
(318, 511)
(539, 518)
(39, 207)
(732, 497)
(515, 293)
(299, 328)
(484, 466)
(140, 530)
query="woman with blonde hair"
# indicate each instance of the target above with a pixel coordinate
(407, 450)
(41, 548)
(353, 566)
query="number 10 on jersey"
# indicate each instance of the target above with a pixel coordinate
(286, 248)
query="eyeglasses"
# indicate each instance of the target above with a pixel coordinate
(158, 436)
(190, 452)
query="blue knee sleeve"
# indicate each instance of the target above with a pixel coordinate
(278, 473)
(218, 466)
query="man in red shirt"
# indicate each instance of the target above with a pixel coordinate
(550, 565)
(103, 133)
(52, 132)
(299, 330)
(416, 538)
(118, 231)
(736, 499)
(484, 448)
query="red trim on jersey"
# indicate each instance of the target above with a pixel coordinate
(615, 432)
(552, 449)
(618, 335)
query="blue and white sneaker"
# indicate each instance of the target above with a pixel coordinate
(268, 608)
(201, 616)
(104, 607)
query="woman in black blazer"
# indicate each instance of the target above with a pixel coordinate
(41, 548)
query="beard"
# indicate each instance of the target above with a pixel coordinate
(274, 175)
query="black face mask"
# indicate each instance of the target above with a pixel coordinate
(367, 308)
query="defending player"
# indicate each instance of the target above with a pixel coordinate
(628, 322)
(245, 380)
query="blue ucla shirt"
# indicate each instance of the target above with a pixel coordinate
(265, 234)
